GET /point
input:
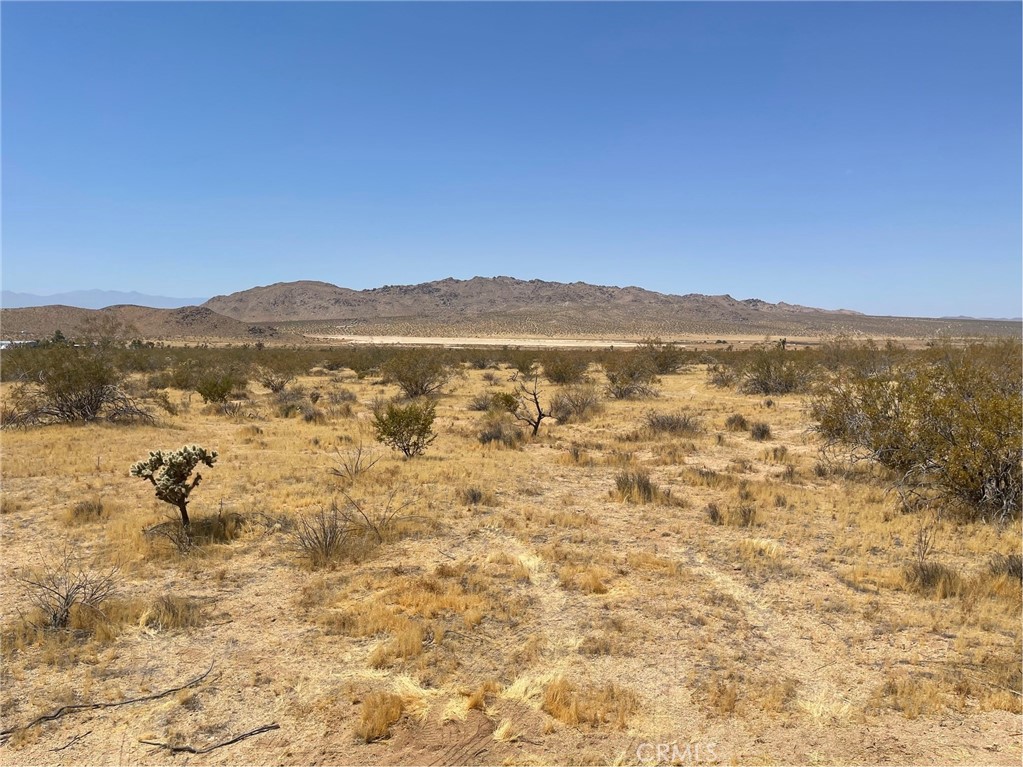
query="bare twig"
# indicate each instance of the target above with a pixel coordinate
(191, 750)
(5, 735)
(72, 741)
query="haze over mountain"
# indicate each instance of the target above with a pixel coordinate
(94, 299)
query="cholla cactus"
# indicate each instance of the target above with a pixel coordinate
(169, 474)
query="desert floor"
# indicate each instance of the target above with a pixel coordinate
(514, 609)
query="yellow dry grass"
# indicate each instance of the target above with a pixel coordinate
(518, 585)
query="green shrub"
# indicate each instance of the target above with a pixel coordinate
(630, 375)
(72, 384)
(949, 423)
(408, 428)
(773, 371)
(564, 367)
(216, 384)
(665, 357)
(418, 372)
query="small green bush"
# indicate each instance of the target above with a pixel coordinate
(418, 372)
(408, 428)
(564, 367)
(630, 375)
(949, 423)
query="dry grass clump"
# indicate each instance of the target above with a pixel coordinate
(85, 511)
(637, 487)
(736, 422)
(910, 694)
(598, 705)
(172, 612)
(760, 431)
(473, 495)
(406, 642)
(678, 424)
(380, 710)
(499, 428)
(721, 694)
(933, 579)
(479, 698)
(203, 531)
(1007, 565)
(740, 515)
(587, 578)
(763, 555)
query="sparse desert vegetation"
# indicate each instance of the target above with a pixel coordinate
(599, 550)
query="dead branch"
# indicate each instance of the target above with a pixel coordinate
(191, 750)
(72, 741)
(5, 735)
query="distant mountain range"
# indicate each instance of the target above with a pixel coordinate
(479, 307)
(94, 299)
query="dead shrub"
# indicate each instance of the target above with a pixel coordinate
(760, 431)
(61, 588)
(576, 404)
(322, 538)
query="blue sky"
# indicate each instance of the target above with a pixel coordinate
(854, 155)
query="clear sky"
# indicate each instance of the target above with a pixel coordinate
(841, 155)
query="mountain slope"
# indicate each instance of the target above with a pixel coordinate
(193, 322)
(295, 301)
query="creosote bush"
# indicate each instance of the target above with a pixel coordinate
(71, 385)
(408, 428)
(564, 367)
(949, 423)
(630, 375)
(418, 372)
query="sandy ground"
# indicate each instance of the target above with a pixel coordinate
(806, 641)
